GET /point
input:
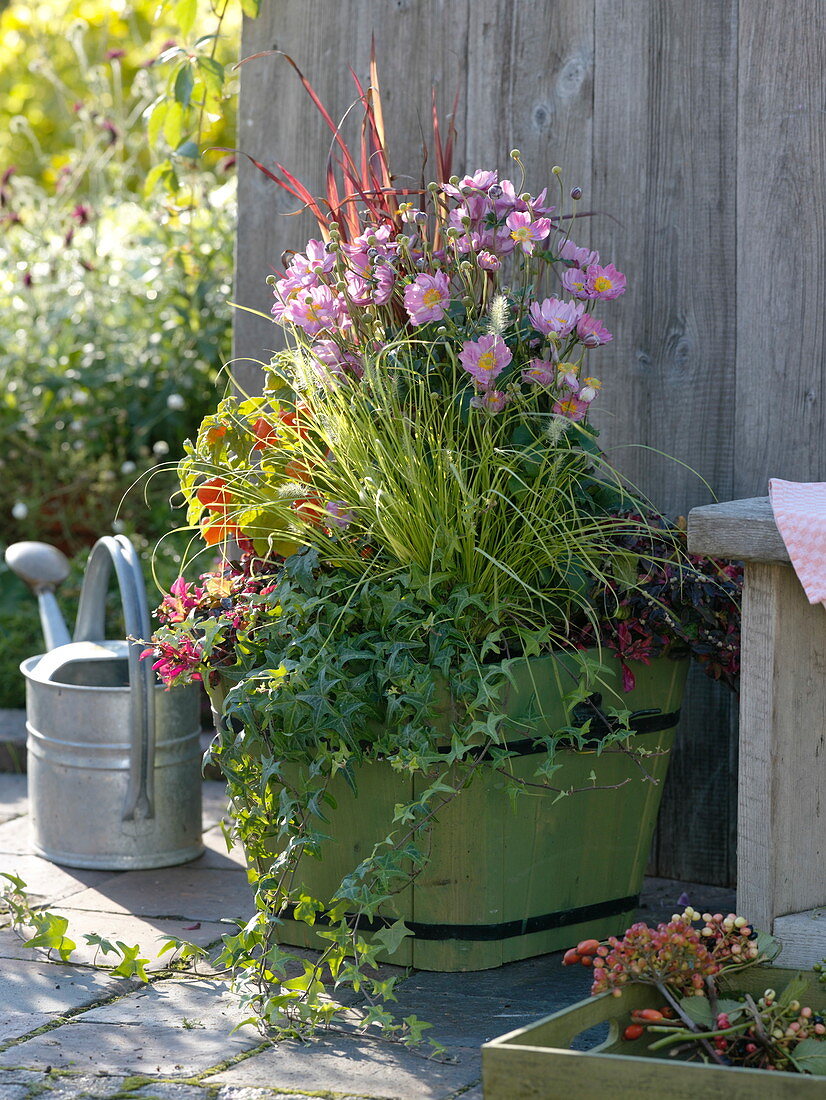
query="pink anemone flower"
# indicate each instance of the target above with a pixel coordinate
(484, 359)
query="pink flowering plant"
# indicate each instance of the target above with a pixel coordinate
(419, 503)
(433, 402)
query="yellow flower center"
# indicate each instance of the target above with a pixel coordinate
(487, 361)
(521, 233)
(431, 297)
(602, 283)
(312, 313)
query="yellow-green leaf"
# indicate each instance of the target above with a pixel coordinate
(184, 83)
(155, 123)
(174, 124)
(185, 13)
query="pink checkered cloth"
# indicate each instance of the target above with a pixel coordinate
(800, 514)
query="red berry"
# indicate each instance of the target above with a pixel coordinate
(588, 947)
(633, 1031)
(571, 957)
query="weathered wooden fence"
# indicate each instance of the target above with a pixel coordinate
(699, 130)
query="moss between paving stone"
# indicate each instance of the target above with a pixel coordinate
(126, 988)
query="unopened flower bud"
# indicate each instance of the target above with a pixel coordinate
(453, 180)
(515, 154)
(495, 191)
(271, 280)
(557, 171)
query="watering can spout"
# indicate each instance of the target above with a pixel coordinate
(43, 568)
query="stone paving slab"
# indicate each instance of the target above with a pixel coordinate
(350, 1064)
(13, 796)
(13, 947)
(216, 856)
(14, 1024)
(48, 881)
(137, 1049)
(37, 987)
(186, 892)
(15, 837)
(18, 1085)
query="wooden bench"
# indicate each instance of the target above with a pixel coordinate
(781, 832)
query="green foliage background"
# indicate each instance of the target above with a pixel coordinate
(114, 314)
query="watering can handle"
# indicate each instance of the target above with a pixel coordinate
(90, 626)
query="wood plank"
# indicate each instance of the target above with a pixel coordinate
(741, 529)
(781, 240)
(664, 128)
(782, 819)
(804, 938)
(419, 45)
(529, 76)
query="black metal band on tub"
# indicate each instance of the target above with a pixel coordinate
(546, 922)
(641, 723)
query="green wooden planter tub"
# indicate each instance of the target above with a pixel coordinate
(507, 883)
(536, 1062)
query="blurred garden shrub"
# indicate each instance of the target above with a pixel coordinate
(114, 314)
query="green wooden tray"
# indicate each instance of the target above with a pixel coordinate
(537, 1063)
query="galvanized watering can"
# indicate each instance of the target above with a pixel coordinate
(114, 759)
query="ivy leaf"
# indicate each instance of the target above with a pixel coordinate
(809, 1056)
(131, 965)
(106, 946)
(391, 937)
(51, 931)
(16, 881)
